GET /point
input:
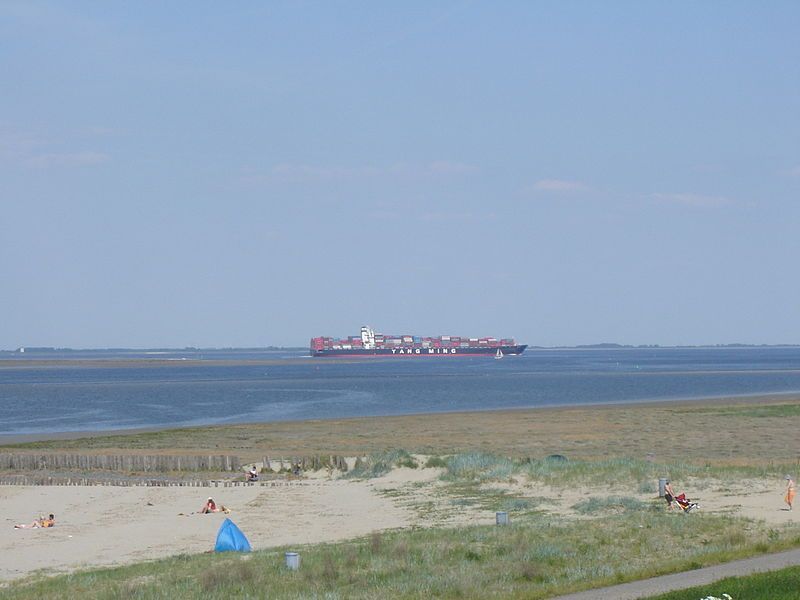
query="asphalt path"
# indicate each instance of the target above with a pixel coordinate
(678, 581)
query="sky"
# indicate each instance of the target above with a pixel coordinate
(257, 173)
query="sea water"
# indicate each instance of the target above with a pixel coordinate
(43, 399)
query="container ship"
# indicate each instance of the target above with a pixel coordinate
(370, 343)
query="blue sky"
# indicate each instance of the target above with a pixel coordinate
(191, 173)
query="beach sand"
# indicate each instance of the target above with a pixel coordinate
(100, 526)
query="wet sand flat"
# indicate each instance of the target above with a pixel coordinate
(748, 430)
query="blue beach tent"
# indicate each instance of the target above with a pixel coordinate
(231, 539)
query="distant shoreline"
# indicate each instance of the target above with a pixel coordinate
(132, 363)
(16, 360)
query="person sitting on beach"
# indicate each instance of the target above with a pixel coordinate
(252, 474)
(790, 491)
(41, 522)
(211, 507)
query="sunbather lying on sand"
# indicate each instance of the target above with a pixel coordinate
(40, 522)
(211, 507)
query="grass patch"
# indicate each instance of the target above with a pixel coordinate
(634, 473)
(610, 472)
(435, 462)
(533, 558)
(758, 411)
(380, 463)
(512, 505)
(596, 505)
(479, 466)
(473, 494)
(783, 584)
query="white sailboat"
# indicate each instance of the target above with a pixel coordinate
(499, 354)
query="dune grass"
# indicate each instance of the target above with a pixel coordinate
(479, 466)
(776, 585)
(533, 558)
(643, 475)
(596, 504)
(380, 463)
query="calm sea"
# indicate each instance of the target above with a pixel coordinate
(35, 399)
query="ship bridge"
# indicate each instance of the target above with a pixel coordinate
(368, 337)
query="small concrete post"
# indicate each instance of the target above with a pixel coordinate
(662, 484)
(292, 561)
(501, 518)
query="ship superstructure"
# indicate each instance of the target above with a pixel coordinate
(370, 343)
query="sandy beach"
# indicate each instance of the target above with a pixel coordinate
(105, 525)
(100, 526)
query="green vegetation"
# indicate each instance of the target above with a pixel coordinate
(756, 430)
(478, 466)
(490, 499)
(759, 411)
(435, 462)
(783, 584)
(595, 505)
(535, 557)
(380, 463)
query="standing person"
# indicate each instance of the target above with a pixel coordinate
(669, 495)
(790, 491)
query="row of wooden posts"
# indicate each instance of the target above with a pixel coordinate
(116, 482)
(306, 463)
(24, 461)
(143, 463)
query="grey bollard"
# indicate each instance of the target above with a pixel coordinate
(292, 561)
(501, 518)
(662, 484)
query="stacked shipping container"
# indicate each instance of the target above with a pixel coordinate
(409, 342)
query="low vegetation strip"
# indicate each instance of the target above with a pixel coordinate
(756, 433)
(481, 467)
(776, 585)
(380, 463)
(484, 467)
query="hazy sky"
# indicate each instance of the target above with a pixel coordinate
(255, 173)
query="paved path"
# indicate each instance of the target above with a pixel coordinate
(668, 583)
